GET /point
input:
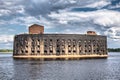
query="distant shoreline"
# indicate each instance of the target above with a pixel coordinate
(6, 52)
(113, 49)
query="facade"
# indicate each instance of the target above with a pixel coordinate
(39, 45)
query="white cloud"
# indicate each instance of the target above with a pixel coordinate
(105, 18)
(115, 6)
(4, 12)
(113, 32)
(29, 20)
(6, 38)
(72, 1)
(98, 4)
(101, 17)
(11, 8)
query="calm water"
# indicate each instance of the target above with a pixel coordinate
(90, 69)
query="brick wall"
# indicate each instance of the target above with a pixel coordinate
(36, 29)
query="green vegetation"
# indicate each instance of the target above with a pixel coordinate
(6, 50)
(113, 49)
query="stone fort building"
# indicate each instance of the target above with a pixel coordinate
(36, 44)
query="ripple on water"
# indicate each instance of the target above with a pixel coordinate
(90, 69)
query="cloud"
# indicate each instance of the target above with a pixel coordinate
(113, 33)
(104, 19)
(101, 17)
(107, 18)
(4, 12)
(6, 41)
(98, 4)
(44, 7)
(6, 38)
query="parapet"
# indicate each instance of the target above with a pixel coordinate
(36, 29)
(91, 33)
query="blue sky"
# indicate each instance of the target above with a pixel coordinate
(60, 16)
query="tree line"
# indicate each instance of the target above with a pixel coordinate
(6, 50)
(113, 49)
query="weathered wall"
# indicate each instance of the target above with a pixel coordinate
(59, 44)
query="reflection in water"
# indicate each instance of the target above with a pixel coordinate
(90, 69)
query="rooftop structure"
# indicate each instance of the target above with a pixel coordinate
(36, 29)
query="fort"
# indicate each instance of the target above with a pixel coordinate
(36, 44)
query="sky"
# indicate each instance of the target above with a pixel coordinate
(60, 16)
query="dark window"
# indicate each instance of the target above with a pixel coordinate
(58, 45)
(45, 51)
(50, 39)
(79, 45)
(97, 50)
(89, 50)
(22, 51)
(80, 50)
(33, 51)
(63, 51)
(85, 50)
(26, 51)
(74, 51)
(38, 51)
(103, 51)
(51, 51)
(69, 51)
(27, 46)
(58, 51)
(38, 45)
(68, 45)
(45, 45)
(57, 40)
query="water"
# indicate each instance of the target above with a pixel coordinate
(90, 69)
